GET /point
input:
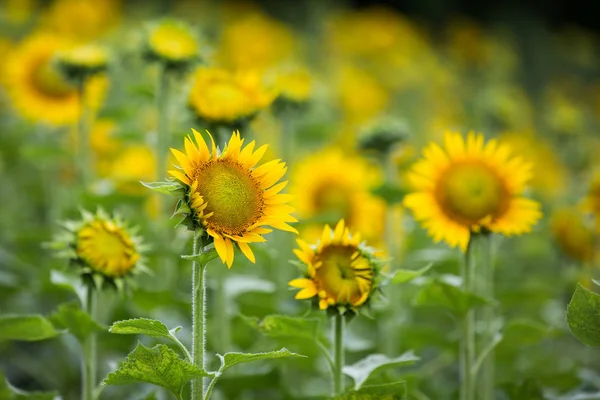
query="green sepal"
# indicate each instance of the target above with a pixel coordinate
(165, 187)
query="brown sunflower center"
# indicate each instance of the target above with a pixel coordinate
(341, 276)
(470, 191)
(232, 194)
(49, 81)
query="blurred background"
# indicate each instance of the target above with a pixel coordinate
(324, 79)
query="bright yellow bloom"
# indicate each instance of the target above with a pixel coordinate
(295, 84)
(134, 164)
(88, 57)
(231, 199)
(105, 247)
(221, 96)
(82, 20)
(37, 89)
(336, 186)
(573, 236)
(361, 96)
(469, 186)
(173, 42)
(340, 272)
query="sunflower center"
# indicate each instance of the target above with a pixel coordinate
(333, 202)
(232, 195)
(470, 192)
(227, 94)
(342, 277)
(49, 81)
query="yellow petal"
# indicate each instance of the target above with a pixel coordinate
(247, 251)
(221, 247)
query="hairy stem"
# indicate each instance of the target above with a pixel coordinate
(89, 359)
(198, 318)
(338, 343)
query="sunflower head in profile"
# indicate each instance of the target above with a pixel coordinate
(573, 233)
(470, 186)
(173, 43)
(227, 197)
(341, 274)
(81, 62)
(102, 247)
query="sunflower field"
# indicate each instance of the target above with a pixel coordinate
(296, 200)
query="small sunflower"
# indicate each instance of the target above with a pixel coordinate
(102, 247)
(37, 88)
(83, 61)
(219, 96)
(468, 187)
(574, 237)
(82, 20)
(340, 271)
(229, 198)
(172, 42)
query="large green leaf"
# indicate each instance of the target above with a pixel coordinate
(373, 364)
(230, 359)
(140, 326)
(159, 366)
(446, 292)
(392, 194)
(388, 391)
(583, 316)
(71, 317)
(528, 389)
(407, 275)
(28, 328)
(9, 392)
(284, 326)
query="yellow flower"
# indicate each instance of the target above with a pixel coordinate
(173, 42)
(468, 187)
(295, 84)
(221, 96)
(82, 20)
(36, 87)
(136, 163)
(571, 233)
(231, 199)
(591, 203)
(340, 271)
(88, 58)
(336, 186)
(361, 96)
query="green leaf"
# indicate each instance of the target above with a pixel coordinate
(446, 292)
(9, 392)
(362, 370)
(140, 326)
(159, 366)
(71, 317)
(284, 326)
(528, 389)
(28, 328)
(167, 187)
(392, 194)
(230, 359)
(388, 391)
(583, 316)
(407, 275)
(203, 258)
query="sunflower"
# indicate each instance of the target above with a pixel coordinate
(340, 271)
(339, 188)
(82, 20)
(172, 42)
(229, 198)
(219, 96)
(37, 89)
(102, 247)
(591, 203)
(574, 237)
(468, 187)
(83, 61)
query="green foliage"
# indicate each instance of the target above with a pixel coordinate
(8, 392)
(388, 391)
(446, 292)
(230, 359)
(392, 194)
(159, 366)
(29, 328)
(285, 326)
(71, 317)
(374, 364)
(528, 389)
(141, 326)
(167, 187)
(407, 275)
(203, 258)
(583, 316)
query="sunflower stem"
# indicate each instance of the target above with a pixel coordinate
(83, 160)
(198, 318)
(89, 359)
(338, 343)
(467, 345)
(224, 321)
(486, 383)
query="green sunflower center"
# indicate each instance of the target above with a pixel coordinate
(343, 278)
(333, 203)
(470, 191)
(232, 195)
(49, 81)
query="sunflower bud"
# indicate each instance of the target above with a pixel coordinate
(383, 135)
(172, 43)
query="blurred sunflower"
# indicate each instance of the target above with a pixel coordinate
(294, 84)
(229, 198)
(220, 96)
(339, 188)
(573, 236)
(134, 164)
(81, 62)
(373, 98)
(468, 187)
(38, 90)
(340, 271)
(591, 203)
(173, 42)
(82, 20)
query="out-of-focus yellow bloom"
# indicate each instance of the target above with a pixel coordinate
(82, 62)
(37, 89)
(591, 203)
(173, 42)
(549, 175)
(295, 84)
(82, 20)
(104, 144)
(221, 96)
(330, 186)
(255, 42)
(361, 96)
(564, 113)
(469, 186)
(17, 12)
(134, 164)
(573, 236)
